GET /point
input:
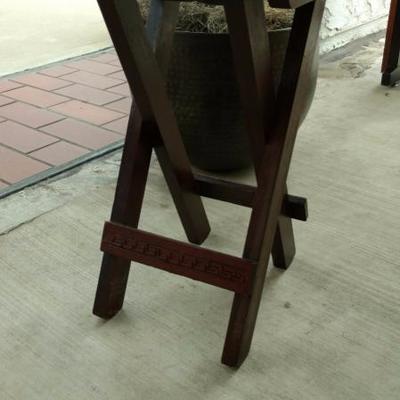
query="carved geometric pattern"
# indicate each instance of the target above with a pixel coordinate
(226, 271)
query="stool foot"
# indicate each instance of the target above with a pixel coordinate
(111, 288)
(284, 247)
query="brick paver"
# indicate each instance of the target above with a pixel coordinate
(81, 133)
(116, 62)
(29, 115)
(94, 67)
(87, 112)
(105, 58)
(118, 75)
(36, 97)
(59, 153)
(22, 138)
(15, 166)
(88, 94)
(6, 84)
(93, 80)
(123, 105)
(119, 125)
(122, 89)
(57, 71)
(5, 100)
(60, 112)
(41, 81)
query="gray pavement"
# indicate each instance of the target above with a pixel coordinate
(38, 32)
(328, 328)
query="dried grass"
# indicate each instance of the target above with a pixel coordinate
(199, 17)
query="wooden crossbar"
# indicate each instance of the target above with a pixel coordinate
(294, 207)
(218, 189)
(209, 266)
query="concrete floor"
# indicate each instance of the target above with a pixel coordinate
(328, 328)
(42, 28)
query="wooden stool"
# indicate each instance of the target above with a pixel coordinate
(390, 64)
(144, 54)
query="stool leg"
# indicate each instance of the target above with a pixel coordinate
(271, 188)
(251, 53)
(284, 247)
(160, 30)
(140, 59)
(151, 123)
(252, 61)
(126, 210)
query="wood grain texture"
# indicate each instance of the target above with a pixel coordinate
(293, 207)
(215, 268)
(271, 189)
(126, 28)
(142, 135)
(253, 65)
(126, 209)
(160, 31)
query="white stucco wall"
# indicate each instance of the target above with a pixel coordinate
(346, 20)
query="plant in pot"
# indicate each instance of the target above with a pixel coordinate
(204, 91)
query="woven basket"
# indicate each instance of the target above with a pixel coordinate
(205, 96)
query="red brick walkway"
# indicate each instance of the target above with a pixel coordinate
(59, 113)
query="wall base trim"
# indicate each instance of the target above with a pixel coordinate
(342, 38)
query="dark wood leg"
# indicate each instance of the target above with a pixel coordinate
(145, 76)
(126, 210)
(143, 134)
(271, 189)
(284, 247)
(252, 60)
(251, 52)
(160, 30)
(390, 64)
